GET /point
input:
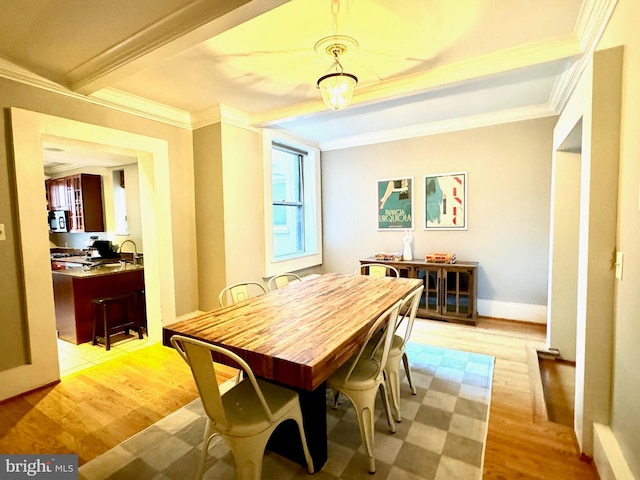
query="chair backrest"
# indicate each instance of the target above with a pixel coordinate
(385, 320)
(406, 315)
(377, 270)
(408, 311)
(282, 280)
(239, 292)
(197, 354)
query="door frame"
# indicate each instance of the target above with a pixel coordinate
(28, 131)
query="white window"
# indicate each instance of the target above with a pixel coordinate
(293, 211)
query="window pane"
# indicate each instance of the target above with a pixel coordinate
(287, 230)
(285, 176)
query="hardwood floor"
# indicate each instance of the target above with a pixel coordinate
(93, 410)
(518, 447)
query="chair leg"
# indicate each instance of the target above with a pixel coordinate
(384, 395)
(363, 403)
(407, 370)
(305, 447)
(208, 436)
(336, 400)
(391, 372)
(248, 453)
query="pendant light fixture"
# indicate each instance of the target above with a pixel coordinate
(336, 87)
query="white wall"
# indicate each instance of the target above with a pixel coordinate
(509, 179)
(624, 421)
(596, 103)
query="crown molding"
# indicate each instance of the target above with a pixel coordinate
(108, 97)
(188, 26)
(434, 128)
(16, 73)
(222, 114)
(141, 107)
(592, 21)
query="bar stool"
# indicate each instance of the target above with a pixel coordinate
(141, 309)
(125, 302)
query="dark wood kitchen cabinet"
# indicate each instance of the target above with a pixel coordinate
(450, 290)
(84, 199)
(57, 194)
(81, 196)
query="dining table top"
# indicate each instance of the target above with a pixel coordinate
(298, 335)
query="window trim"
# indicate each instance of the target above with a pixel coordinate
(312, 254)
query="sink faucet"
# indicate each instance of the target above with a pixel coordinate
(135, 250)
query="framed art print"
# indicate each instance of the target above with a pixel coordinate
(445, 201)
(395, 204)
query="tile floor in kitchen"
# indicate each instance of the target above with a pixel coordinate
(74, 358)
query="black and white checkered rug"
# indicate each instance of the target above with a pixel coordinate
(442, 434)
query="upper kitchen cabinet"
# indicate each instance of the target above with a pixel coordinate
(81, 196)
(84, 202)
(57, 194)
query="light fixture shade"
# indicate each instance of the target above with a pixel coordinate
(337, 89)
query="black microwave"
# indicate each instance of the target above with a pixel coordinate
(58, 221)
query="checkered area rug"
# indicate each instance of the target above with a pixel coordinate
(442, 434)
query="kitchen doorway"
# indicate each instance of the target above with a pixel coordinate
(28, 131)
(121, 220)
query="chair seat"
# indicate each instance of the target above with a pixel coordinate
(244, 410)
(397, 345)
(364, 376)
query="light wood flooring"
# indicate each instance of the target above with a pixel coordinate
(92, 410)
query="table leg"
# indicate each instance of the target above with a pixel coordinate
(314, 417)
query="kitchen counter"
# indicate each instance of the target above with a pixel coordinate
(74, 288)
(87, 272)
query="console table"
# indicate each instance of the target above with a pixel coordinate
(450, 290)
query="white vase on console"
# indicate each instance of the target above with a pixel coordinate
(406, 253)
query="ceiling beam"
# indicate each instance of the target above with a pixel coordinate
(192, 24)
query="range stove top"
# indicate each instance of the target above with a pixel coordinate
(66, 254)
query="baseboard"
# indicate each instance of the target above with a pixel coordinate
(607, 455)
(524, 312)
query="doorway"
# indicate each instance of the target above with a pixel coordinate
(564, 245)
(28, 130)
(121, 220)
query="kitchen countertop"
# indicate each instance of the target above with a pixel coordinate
(89, 272)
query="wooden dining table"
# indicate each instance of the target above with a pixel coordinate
(297, 336)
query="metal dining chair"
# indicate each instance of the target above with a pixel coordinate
(282, 280)
(246, 415)
(239, 292)
(377, 270)
(402, 332)
(361, 377)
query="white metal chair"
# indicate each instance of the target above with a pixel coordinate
(282, 280)
(239, 292)
(406, 317)
(377, 270)
(361, 377)
(246, 415)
